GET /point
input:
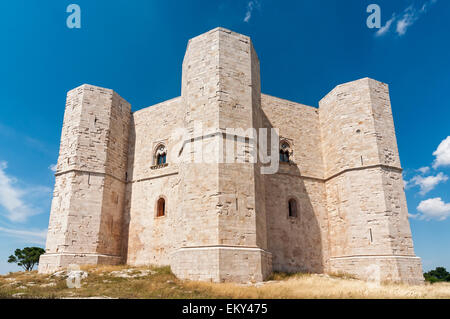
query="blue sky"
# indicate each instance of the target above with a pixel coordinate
(305, 49)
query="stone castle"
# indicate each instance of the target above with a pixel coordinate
(335, 205)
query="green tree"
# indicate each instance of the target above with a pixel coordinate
(27, 258)
(438, 275)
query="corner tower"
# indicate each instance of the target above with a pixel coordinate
(225, 236)
(369, 231)
(86, 215)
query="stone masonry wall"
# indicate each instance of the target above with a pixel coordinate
(86, 216)
(302, 179)
(150, 239)
(220, 76)
(365, 198)
(242, 217)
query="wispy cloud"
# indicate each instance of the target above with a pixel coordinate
(52, 167)
(433, 208)
(442, 154)
(424, 170)
(12, 196)
(251, 6)
(33, 236)
(427, 183)
(410, 15)
(406, 19)
(385, 29)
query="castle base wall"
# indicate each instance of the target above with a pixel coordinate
(50, 263)
(222, 264)
(400, 269)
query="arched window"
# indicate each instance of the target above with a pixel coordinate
(161, 155)
(284, 152)
(292, 208)
(161, 207)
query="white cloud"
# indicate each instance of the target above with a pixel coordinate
(385, 29)
(434, 208)
(442, 154)
(406, 19)
(11, 197)
(251, 5)
(410, 15)
(428, 183)
(52, 167)
(35, 236)
(424, 169)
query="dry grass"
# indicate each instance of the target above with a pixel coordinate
(153, 282)
(101, 282)
(325, 287)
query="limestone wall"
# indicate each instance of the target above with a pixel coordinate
(368, 218)
(87, 208)
(242, 217)
(299, 124)
(150, 239)
(297, 244)
(199, 186)
(223, 203)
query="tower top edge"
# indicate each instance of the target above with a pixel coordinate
(365, 79)
(220, 30)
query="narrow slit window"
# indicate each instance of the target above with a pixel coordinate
(161, 208)
(292, 208)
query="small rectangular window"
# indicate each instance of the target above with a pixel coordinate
(292, 208)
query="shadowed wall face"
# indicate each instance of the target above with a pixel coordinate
(296, 243)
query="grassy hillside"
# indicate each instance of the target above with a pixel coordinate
(152, 282)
